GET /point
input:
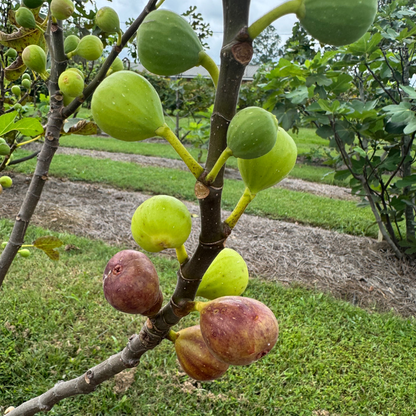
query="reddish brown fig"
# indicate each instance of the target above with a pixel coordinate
(194, 356)
(131, 283)
(237, 330)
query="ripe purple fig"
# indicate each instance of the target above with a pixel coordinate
(237, 330)
(194, 356)
(131, 283)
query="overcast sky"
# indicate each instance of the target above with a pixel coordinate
(210, 10)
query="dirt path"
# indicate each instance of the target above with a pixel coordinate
(357, 269)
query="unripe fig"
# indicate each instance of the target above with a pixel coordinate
(89, 47)
(226, 276)
(127, 107)
(77, 71)
(62, 9)
(265, 171)
(252, 133)
(161, 222)
(4, 148)
(33, 4)
(3, 244)
(71, 83)
(116, 66)
(237, 330)
(131, 283)
(337, 22)
(26, 83)
(6, 181)
(16, 91)
(24, 252)
(11, 53)
(17, 106)
(26, 76)
(107, 20)
(167, 44)
(25, 18)
(194, 356)
(34, 58)
(70, 43)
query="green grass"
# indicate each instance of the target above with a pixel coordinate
(277, 203)
(330, 355)
(301, 171)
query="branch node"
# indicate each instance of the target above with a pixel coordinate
(242, 52)
(89, 375)
(201, 190)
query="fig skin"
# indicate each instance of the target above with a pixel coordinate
(238, 330)
(195, 358)
(62, 9)
(107, 20)
(71, 42)
(71, 83)
(131, 283)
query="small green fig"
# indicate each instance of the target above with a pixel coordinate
(89, 47)
(71, 83)
(4, 148)
(11, 53)
(337, 22)
(194, 356)
(6, 181)
(26, 83)
(107, 20)
(26, 76)
(131, 283)
(17, 106)
(3, 244)
(76, 70)
(237, 330)
(62, 9)
(226, 276)
(34, 58)
(252, 133)
(116, 66)
(25, 18)
(127, 107)
(161, 222)
(33, 4)
(16, 91)
(266, 171)
(24, 252)
(70, 43)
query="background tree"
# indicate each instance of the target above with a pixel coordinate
(266, 47)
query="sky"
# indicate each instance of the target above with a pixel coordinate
(210, 10)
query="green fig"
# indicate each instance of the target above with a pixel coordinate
(76, 70)
(194, 356)
(4, 244)
(337, 22)
(25, 18)
(24, 252)
(116, 66)
(167, 45)
(62, 9)
(131, 283)
(161, 222)
(34, 58)
(265, 171)
(17, 106)
(89, 47)
(107, 20)
(33, 4)
(26, 83)
(16, 91)
(71, 83)
(127, 107)
(4, 148)
(26, 76)
(252, 133)
(6, 181)
(11, 53)
(237, 330)
(70, 43)
(226, 276)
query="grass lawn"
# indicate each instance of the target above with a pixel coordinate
(330, 356)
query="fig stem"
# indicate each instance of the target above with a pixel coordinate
(196, 306)
(29, 141)
(165, 132)
(207, 62)
(40, 28)
(218, 165)
(159, 3)
(119, 36)
(292, 6)
(181, 254)
(242, 204)
(172, 336)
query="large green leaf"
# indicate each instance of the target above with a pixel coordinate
(28, 126)
(7, 120)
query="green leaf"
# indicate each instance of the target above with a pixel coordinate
(344, 131)
(318, 79)
(410, 91)
(406, 181)
(286, 116)
(325, 132)
(28, 126)
(48, 244)
(5, 121)
(341, 84)
(411, 127)
(298, 95)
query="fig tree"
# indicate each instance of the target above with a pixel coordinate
(131, 283)
(194, 356)
(161, 222)
(237, 330)
(226, 276)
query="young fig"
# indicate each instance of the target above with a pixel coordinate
(26, 83)
(226, 276)
(16, 91)
(237, 330)
(24, 17)
(127, 107)
(252, 133)
(4, 147)
(131, 283)
(11, 53)
(194, 356)
(70, 43)
(24, 252)
(62, 9)
(6, 181)
(32, 4)
(116, 66)
(71, 83)
(337, 22)
(34, 58)
(107, 20)
(89, 47)
(161, 222)
(26, 76)
(265, 171)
